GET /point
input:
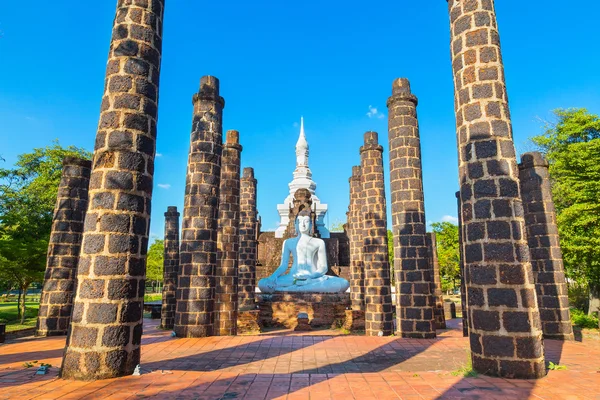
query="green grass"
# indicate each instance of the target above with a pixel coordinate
(466, 370)
(8, 316)
(152, 297)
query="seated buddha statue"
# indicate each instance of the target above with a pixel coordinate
(307, 273)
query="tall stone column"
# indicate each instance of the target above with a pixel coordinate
(228, 244)
(248, 243)
(505, 334)
(414, 297)
(198, 254)
(170, 268)
(438, 311)
(461, 262)
(355, 234)
(56, 303)
(544, 246)
(378, 291)
(106, 328)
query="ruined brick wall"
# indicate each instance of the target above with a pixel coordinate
(248, 240)
(198, 253)
(355, 230)
(343, 250)
(56, 302)
(546, 256)
(106, 328)
(414, 301)
(505, 334)
(170, 268)
(228, 238)
(378, 293)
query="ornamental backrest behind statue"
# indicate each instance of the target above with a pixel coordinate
(307, 273)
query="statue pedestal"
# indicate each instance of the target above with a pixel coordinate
(282, 309)
(248, 322)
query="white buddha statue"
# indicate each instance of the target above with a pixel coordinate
(307, 273)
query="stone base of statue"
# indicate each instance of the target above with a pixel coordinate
(248, 322)
(355, 320)
(281, 309)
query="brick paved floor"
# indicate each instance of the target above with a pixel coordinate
(282, 365)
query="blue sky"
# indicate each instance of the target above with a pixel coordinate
(328, 61)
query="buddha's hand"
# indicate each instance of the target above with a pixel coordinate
(302, 276)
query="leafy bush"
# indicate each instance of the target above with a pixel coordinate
(583, 320)
(578, 295)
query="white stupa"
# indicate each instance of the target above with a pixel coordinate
(302, 179)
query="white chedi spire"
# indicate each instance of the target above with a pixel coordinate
(302, 180)
(302, 147)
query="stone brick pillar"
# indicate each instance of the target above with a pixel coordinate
(56, 302)
(438, 311)
(505, 330)
(170, 268)
(198, 254)
(378, 291)
(106, 328)
(544, 246)
(228, 243)
(461, 261)
(414, 298)
(248, 240)
(355, 234)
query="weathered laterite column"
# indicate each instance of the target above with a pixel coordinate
(228, 238)
(505, 331)
(56, 302)
(461, 262)
(355, 233)
(438, 311)
(170, 268)
(378, 291)
(544, 246)
(248, 244)
(106, 328)
(414, 297)
(198, 254)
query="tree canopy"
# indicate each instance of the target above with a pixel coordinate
(27, 199)
(572, 146)
(154, 263)
(446, 234)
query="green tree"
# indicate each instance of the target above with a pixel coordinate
(572, 147)
(154, 263)
(446, 234)
(27, 199)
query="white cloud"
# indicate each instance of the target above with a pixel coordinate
(450, 218)
(164, 185)
(159, 155)
(374, 113)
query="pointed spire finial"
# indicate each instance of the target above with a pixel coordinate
(302, 147)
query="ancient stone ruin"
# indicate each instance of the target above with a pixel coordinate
(106, 323)
(513, 284)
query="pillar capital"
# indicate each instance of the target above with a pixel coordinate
(533, 159)
(209, 91)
